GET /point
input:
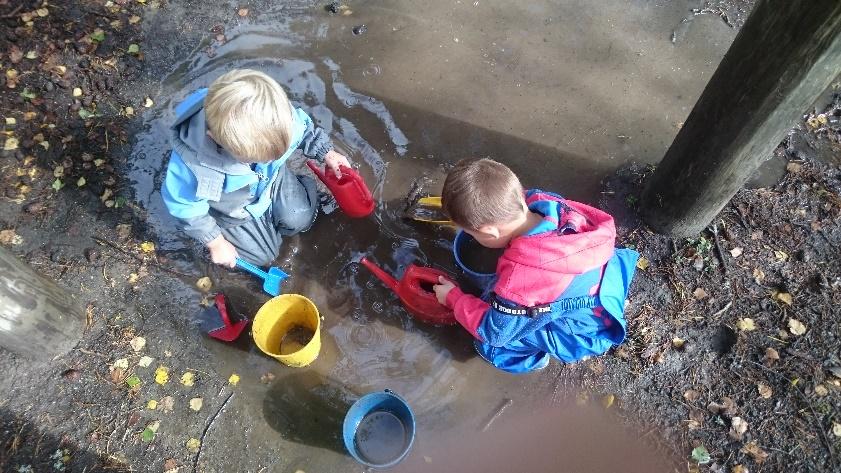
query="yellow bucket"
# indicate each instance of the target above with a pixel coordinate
(277, 319)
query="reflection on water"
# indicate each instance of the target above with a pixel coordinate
(368, 341)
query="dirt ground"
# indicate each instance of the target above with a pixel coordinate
(733, 354)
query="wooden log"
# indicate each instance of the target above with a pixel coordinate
(38, 319)
(787, 53)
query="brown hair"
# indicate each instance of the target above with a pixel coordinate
(481, 192)
(249, 114)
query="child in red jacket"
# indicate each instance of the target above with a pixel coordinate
(560, 285)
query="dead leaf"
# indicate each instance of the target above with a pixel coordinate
(821, 390)
(193, 445)
(243, 12)
(148, 103)
(10, 237)
(187, 379)
(726, 408)
(736, 252)
(765, 391)
(171, 466)
(758, 275)
(836, 429)
(118, 375)
(145, 361)
(738, 427)
(234, 379)
(771, 356)
(10, 144)
(739, 469)
(167, 403)
(700, 293)
(133, 278)
(147, 247)
(643, 263)
(746, 324)
(608, 401)
(77, 92)
(122, 363)
(133, 20)
(754, 451)
(796, 327)
(678, 343)
(794, 167)
(196, 403)
(204, 284)
(783, 297)
(137, 343)
(691, 395)
(781, 255)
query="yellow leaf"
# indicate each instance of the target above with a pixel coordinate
(137, 343)
(746, 324)
(783, 297)
(42, 12)
(781, 255)
(148, 103)
(152, 404)
(147, 247)
(10, 121)
(796, 327)
(134, 19)
(642, 263)
(738, 469)
(204, 284)
(196, 403)
(608, 401)
(133, 278)
(193, 445)
(187, 379)
(129, 111)
(234, 379)
(11, 144)
(162, 375)
(765, 391)
(81, 182)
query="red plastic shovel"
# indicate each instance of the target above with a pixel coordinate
(350, 190)
(415, 291)
(230, 331)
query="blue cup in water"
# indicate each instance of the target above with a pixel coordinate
(379, 429)
(483, 281)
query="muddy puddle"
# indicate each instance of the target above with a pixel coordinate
(563, 94)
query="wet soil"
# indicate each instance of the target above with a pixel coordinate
(295, 339)
(402, 114)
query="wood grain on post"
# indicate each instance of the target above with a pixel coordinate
(38, 319)
(787, 53)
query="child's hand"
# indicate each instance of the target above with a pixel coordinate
(333, 160)
(443, 289)
(222, 252)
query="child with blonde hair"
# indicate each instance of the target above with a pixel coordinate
(560, 286)
(227, 182)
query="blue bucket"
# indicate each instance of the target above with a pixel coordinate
(481, 280)
(379, 429)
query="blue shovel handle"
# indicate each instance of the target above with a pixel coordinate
(241, 263)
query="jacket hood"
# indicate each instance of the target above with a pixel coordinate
(573, 238)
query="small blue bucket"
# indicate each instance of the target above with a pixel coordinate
(481, 280)
(379, 429)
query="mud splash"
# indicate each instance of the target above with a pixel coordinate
(368, 341)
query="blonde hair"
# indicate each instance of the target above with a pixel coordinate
(249, 115)
(481, 192)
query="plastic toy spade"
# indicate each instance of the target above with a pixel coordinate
(271, 279)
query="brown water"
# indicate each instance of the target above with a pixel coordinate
(563, 92)
(295, 339)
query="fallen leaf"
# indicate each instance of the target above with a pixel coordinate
(608, 401)
(171, 466)
(196, 403)
(678, 343)
(243, 12)
(133, 278)
(780, 255)
(701, 455)
(204, 284)
(739, 469)
(643, 263)
(133, 381)
(691, 395)
(836, 429)
(11, 121)
(147, 247)
(152, 404)
(162, 375)
(10, 144)
(133, 48)
(122, 363)
(145, 361)
(167, 403)
(736, 252)
(234, 379)
(765, 391)
(134, 19)
(727, 407)
(793, 167)
(137, 343)
(746, 324)
(821, 390)
(738, 427)
(129, 111)
(193, 445)
(31, 55)
(187, 379)
(771, 356)
(10, 237)
(98, 35)
(699, 293)
(783, 297)
(81, 182)
(148, 103)
(754, 451)
(796, 327)
(77, 92)
(267, 378)
(42, 12)
(147, 435)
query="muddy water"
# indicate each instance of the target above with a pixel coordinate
(563, 93)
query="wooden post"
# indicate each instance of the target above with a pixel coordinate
(787, 53)
(38, 319)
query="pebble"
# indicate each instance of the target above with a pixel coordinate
(358, 30)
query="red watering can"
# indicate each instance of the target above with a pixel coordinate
(420, 301)
(350, 190)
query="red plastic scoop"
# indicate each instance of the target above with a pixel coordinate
(350, 190)
(419, 301)
(230, 331)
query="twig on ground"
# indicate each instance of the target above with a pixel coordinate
(718, 248)
(206, 428)
(723, 310)
(504, 405)
(140, 259)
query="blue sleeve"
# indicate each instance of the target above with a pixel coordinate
(179, 196)
(315, 142)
